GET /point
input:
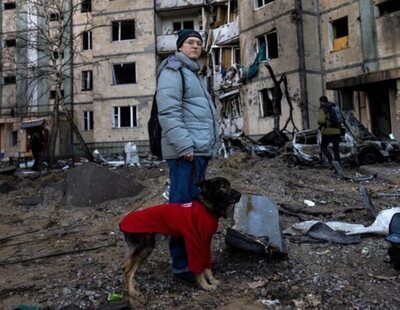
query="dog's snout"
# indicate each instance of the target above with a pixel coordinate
(235, 196)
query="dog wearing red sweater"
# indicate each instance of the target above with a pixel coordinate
(195, 222)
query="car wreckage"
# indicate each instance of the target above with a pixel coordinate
(358, 146)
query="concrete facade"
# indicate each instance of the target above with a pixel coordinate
(346, 49)
(133, 98)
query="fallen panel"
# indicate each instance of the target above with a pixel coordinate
(367, 201)
(256, 226)
(321, 231)
(339, 170)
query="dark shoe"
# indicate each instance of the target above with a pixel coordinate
(186, 277)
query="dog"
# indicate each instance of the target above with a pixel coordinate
(195, 222)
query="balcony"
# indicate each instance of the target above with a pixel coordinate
(226, 33)
(167, 43)
(177, 4)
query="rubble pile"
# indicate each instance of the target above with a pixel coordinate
(59, 256)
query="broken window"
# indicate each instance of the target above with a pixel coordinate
(10, 42)
(123, 30)
(260, 3)
(225, 57)
(388, 7)
(124, 73)
(53, 94)
(87, 120)
(236, 55)
(86, 40)
(56, 55)
(188, 24)
(231, 107)
(14, 138)
(86, 6)
(55, 16)
(125, 116)
(269, 41)
(9, 5)
(346, 100)
(267, 103)
(11, 79)
(216, 55)
(87, 80)
(340, 34)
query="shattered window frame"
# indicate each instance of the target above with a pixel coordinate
(9, 80)
(86, 40)
(271, 41)
(9, 5)
(231, 107)
(13, 138)
(260, 3)
(11, 42)
(218, 57)
(87, 80)
(123, 30)
(87, 121)
(339, 33)
(125, 116)
(183, 24)
(267, 106)
(388, 7)
(122, 75)
(86, 6)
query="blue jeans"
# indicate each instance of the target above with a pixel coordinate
(184, 175)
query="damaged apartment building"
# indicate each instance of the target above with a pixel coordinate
(346, 49)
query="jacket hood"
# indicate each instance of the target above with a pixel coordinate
(178, 60)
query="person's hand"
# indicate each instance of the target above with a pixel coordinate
(189, 156)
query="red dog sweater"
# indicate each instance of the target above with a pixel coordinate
(190, 221)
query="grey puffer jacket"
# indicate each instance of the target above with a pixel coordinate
(189, 123)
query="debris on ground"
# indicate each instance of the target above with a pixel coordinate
(57, 256)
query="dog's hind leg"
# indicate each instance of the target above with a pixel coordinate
(141, 247)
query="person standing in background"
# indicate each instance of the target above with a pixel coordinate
(330, 130)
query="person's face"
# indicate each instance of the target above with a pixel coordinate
(191, 47)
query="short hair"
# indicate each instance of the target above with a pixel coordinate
(323, 99)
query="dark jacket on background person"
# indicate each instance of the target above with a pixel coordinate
(188, 123)
(324, 120)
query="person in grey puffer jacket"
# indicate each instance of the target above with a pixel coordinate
(189, 125)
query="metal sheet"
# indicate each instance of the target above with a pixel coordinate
(257, 217)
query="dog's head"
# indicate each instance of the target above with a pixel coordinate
(218, 195)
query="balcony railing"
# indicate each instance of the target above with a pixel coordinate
(177, 4)
(167, 43)
(226, 33)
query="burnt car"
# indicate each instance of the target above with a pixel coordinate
(241, 142)
(357, 146)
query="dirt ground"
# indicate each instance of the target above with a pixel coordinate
(56, 256)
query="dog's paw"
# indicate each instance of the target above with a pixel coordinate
(133, 293)
(208, 287)
(214, 281)
(210, 277)
(203, 282)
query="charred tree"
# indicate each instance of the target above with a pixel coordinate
(277, 99)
